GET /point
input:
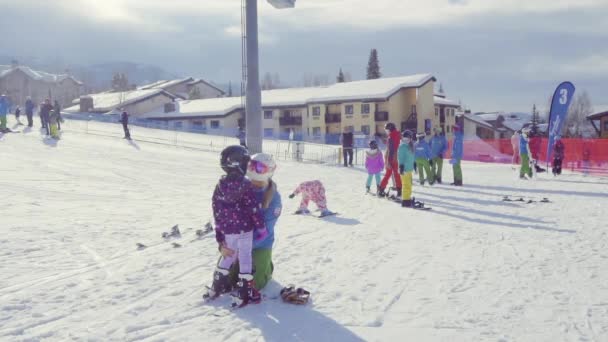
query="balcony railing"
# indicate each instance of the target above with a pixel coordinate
(290, 121)
(333, 118)
(381, 116)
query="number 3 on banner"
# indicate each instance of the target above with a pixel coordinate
(563, 96)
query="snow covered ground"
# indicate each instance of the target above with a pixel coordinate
(474, 268)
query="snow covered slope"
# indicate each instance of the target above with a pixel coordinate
(474, 268)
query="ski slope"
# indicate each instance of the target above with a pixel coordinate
(474, 268)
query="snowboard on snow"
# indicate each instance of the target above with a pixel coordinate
(175, 233)
(526, 200)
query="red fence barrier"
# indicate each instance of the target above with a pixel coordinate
(586, 155)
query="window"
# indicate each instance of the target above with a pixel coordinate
(215, 124)
(365, 108)
(197, 125)
(436, 111)
(316, 111)
(605, 125)
(316, 131)
(351, 128)
(177, 125)
(348, 109)
(268, 132)
(413, 108)
(365, 129)
(267, 114)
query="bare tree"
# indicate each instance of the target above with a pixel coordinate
(577, 114)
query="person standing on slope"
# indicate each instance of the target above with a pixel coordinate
(558, 155)
(390, 160)
(439, 144)
(3, 112)
(347, 140)
(260, 171)
(524, 153)
(374, 163)
(29, 111)
(515, 144)
(423, 155)
(45, 112)
(238, 221)
(457, 153)
(406, 157)
(124, 119)
(311, 191)
(55, 122)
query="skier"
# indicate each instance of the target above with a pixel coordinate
(390, 159)
(406, 158)
(45, 112)
(515, 144)
(423, 155)
(260, 172)
(374, 163)
(3, 112)
(124, 119)
(558, 156)
(239, 220)
(347, 141)
(311, 191)
(457, 153)
(54, 122)
(524, 152)
(439, 144)
(29, 111)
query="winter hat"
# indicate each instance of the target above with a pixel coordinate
(373, 145)
(420, 135)
(261, 167)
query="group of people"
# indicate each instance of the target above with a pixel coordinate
(526, 147)
(407, 153)
(50, 115)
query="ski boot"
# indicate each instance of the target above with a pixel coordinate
(246, 293)
(326, 212)
(438, 180)
(406, 203)
(174, 233)
(220, 285)
(303, 211)
(381, 192)
(367, 189)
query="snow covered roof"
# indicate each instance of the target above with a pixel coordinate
(298, 97)
(164, 84)
(478, 120)
(6, 70)
(105, 102)
(446, 102)
(600, 111)
(488, 116)
(200, 80)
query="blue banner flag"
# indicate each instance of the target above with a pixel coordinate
(559, 111)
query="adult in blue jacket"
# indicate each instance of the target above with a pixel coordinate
(439, 144)
(29, 111)
(423, 154)
(260, 171)
(4, 107)
(457, 151)
(524, 153)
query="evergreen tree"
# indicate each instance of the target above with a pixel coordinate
(534, 119)
(373, 66)
(340, 78)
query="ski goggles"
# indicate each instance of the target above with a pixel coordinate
(258, 167)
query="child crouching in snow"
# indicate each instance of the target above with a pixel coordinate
(312, 191)
(374, 163)
(238, 221)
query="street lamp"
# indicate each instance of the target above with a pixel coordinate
(253, 100)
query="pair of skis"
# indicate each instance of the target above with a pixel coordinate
(175, 233)
(525, 199)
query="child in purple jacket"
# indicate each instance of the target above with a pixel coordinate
(238, 221)
(374, 163)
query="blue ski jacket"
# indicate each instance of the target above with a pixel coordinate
(405, 156)
(439, 144)
(29, 107)
(523, 145)
(4, 106)
(423, 150)
(271, 213)
(457, 146)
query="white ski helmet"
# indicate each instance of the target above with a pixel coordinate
(261, 167)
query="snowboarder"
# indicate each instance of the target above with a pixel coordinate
(238, 221)
(406, 158)
(534, 143)
(423, 155)
(347, 140)
(558, 155)
(439, 144)
(29, 111)
(515, 144)
(311, 191)
(524, 153)
(54, 122)
(260, 172)
(45, 112)
(374, 163)
(390, 159)
(4, 105)
(124, 119)
(457, 153)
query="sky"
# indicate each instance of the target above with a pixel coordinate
(489, 54)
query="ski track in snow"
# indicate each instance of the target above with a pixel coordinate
(474, 268)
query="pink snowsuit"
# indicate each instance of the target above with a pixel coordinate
(312, 191)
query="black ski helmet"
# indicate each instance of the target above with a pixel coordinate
(390, 126)
(373, 145)
(407, 134)
(234, 160)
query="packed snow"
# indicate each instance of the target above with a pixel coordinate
(474, 268)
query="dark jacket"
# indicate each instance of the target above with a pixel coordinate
(46, 109)
(124, 119)
(558, 150)
(29, 107)
(236, 208)
(347, 139)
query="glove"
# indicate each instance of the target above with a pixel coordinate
(401, 169)
(292, 195)
(260, 234)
